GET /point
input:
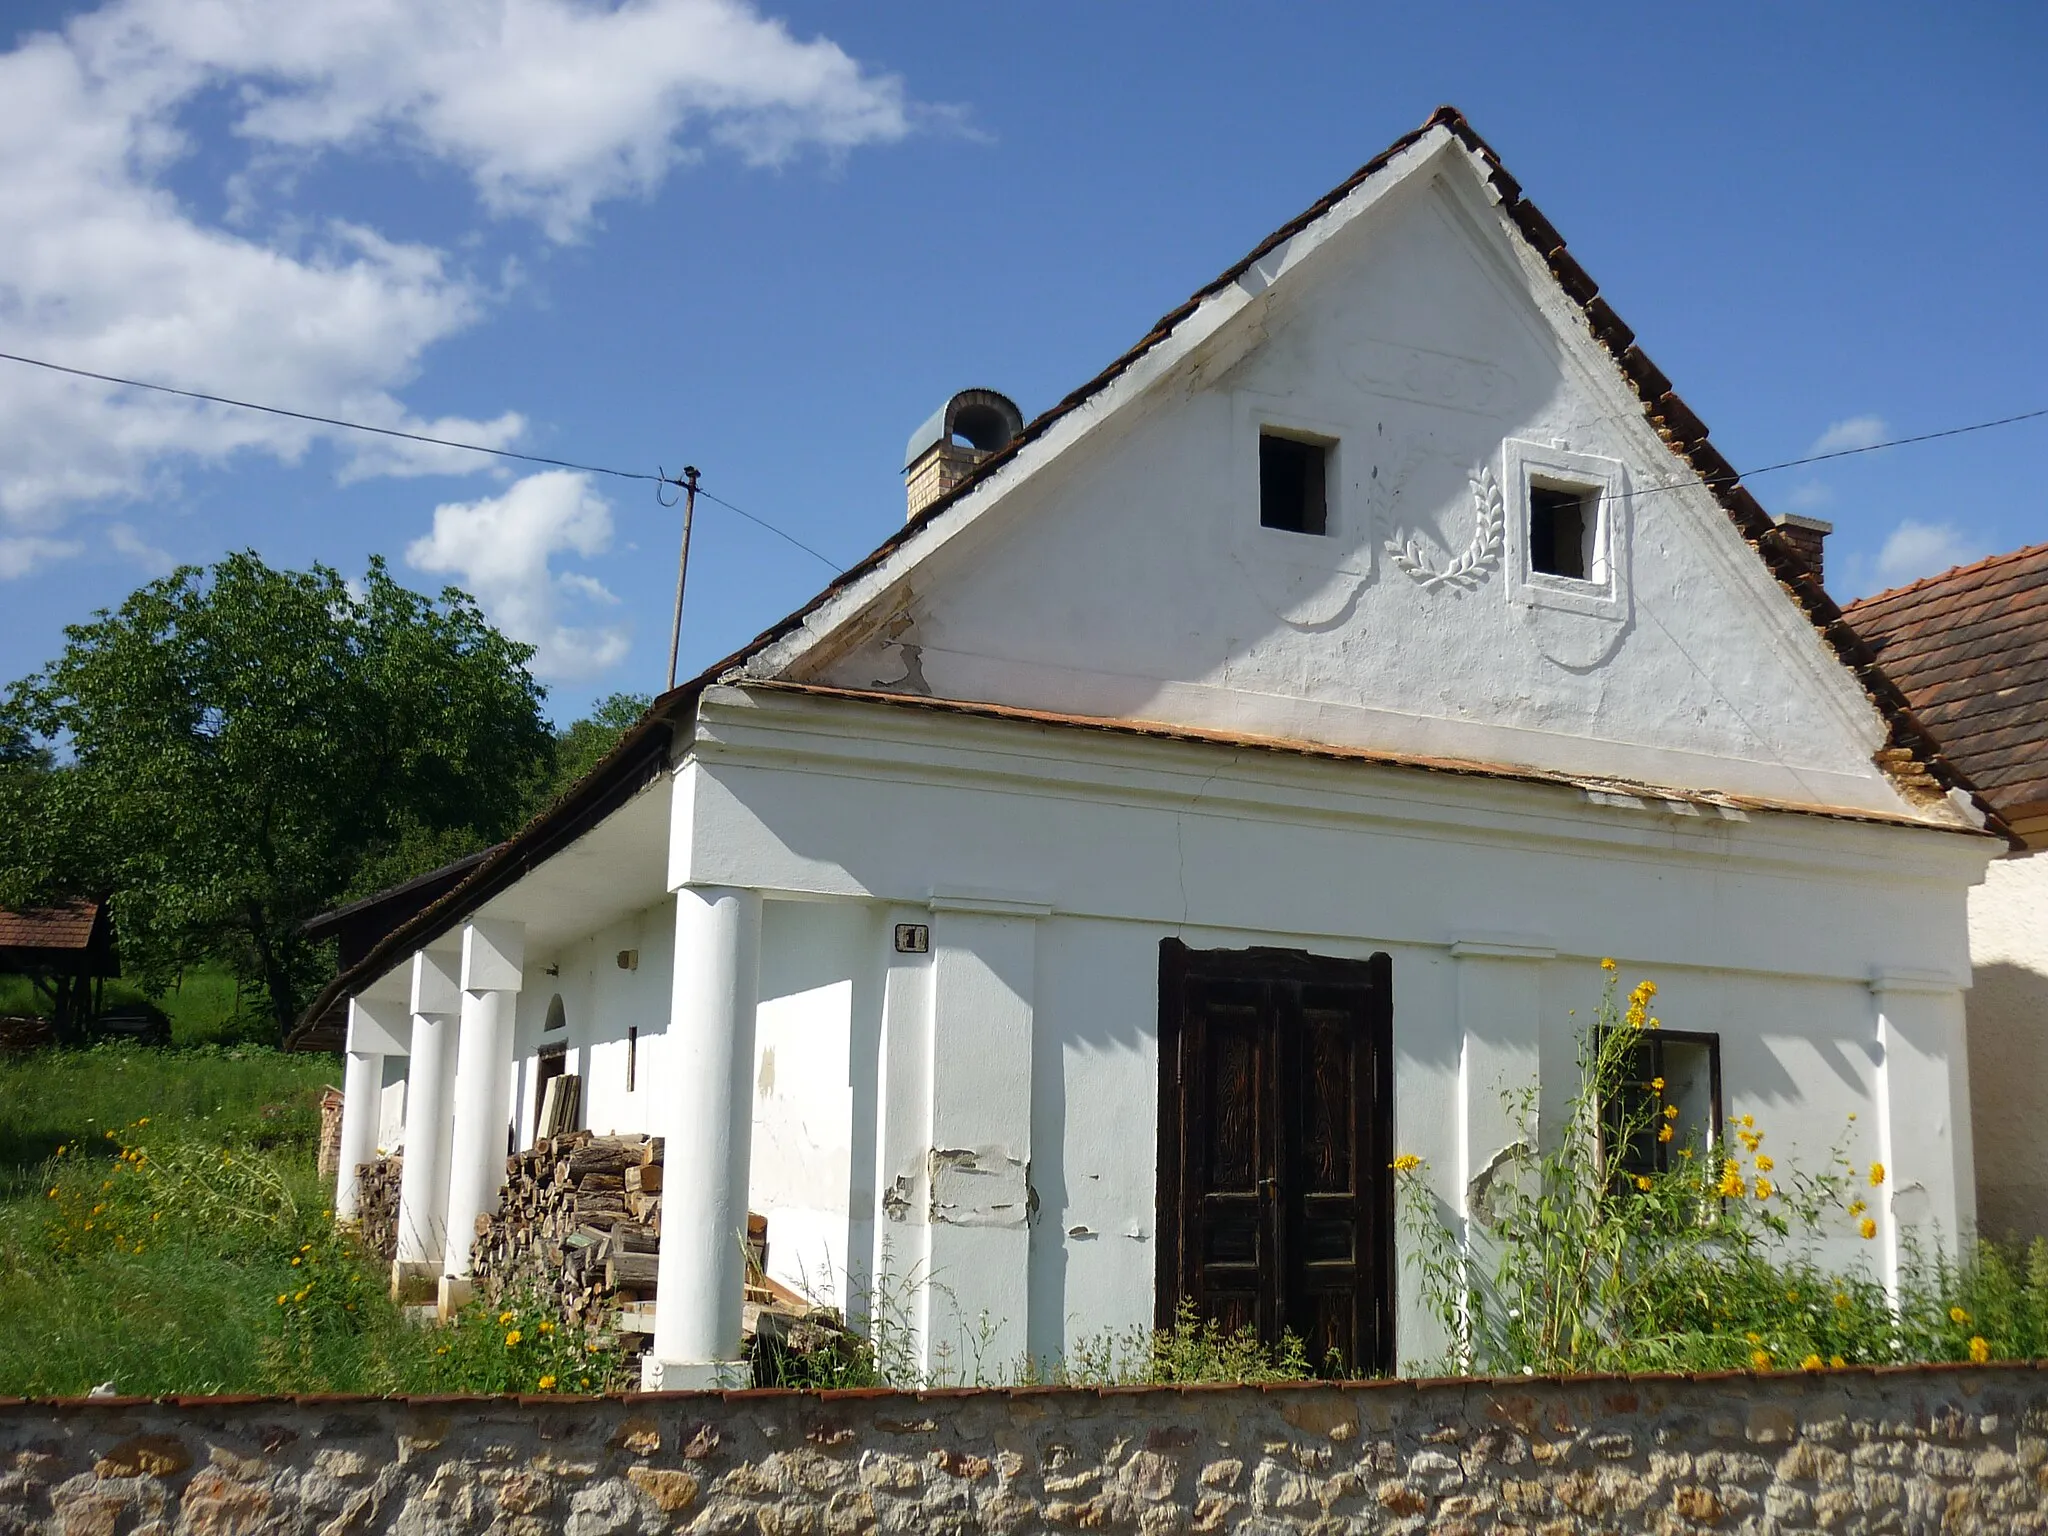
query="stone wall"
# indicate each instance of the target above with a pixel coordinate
(1950, 1449)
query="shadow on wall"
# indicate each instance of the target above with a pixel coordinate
(2008, 1044)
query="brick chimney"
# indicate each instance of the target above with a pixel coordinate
(1806, 535)
(944, 451)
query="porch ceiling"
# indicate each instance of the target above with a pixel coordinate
(618, 867)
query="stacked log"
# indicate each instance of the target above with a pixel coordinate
(579, 1220)
(377, 1204)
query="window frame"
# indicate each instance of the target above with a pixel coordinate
(1604, 591)
(1660, 1151)
(1325, 450)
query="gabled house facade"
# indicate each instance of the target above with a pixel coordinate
(1227, 783)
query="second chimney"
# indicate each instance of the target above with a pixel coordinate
(947, 449)
(1807, 535)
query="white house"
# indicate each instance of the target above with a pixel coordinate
(1970, 649)
(1225, 782)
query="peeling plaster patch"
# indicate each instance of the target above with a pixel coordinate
(979, 1187)
(1083, 1232)
(896, 1198)
(764, 1081)
(1479, 1191)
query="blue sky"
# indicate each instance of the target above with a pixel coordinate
(769, 240)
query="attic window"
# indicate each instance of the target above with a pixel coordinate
(1293, 484)
(1562, 522)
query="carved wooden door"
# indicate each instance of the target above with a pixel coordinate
(1275, 1195)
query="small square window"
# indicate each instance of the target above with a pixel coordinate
(1562, 523)
(1293, 485)
(1672, 1081)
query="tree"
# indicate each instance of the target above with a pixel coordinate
(578, 747)
(246, 745)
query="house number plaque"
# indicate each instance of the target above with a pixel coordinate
(913, 938)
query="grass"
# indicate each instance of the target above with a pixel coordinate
(206, 1006)
(162, 1227)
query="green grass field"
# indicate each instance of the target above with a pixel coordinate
(205, 1005)
(162, 1228)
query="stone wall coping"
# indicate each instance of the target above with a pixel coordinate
(765, 1395)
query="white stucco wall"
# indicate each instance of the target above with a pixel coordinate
(1767, 931)
(2008, 1028)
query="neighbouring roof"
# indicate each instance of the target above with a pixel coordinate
(1970, 650)
(1911, 756)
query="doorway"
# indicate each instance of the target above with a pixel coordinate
(1276, 1198)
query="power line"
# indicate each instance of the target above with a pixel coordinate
(413, 437)
(1724, 481)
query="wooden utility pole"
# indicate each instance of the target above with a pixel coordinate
(675, 638)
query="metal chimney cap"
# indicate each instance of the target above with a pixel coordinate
(988, 420)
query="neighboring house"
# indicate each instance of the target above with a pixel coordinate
(1970, 649)
(1224, 783)
(66, 950)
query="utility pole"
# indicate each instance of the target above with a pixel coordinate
(675, 638)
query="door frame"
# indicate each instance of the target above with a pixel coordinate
(1176, 962)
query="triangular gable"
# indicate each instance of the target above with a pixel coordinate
(852, 611)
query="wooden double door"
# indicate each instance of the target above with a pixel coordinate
(1276, 1195)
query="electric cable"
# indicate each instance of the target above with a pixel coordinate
(658, 479)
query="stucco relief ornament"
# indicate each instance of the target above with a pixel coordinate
(1471, 568)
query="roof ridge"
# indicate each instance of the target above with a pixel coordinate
(1950, 574)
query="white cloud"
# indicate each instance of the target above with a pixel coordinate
(19, 556)
(1921, 549)
(1852, 432)
(499, 550)
(548, 106)
(124, 540)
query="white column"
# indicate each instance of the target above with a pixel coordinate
(493, 954)
(703, 1108)
(429, 1109)
(903, 1137)
(375, 1031)
(984, 955)
(1929, 1195)
(1500, 1014)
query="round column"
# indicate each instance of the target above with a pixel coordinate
(362, 1098)
(703, 1107)
(423, 1177)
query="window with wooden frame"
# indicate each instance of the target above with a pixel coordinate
(1294, 488)
(1671, 1081)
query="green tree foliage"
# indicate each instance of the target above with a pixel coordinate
(578, 748)
(244, 746)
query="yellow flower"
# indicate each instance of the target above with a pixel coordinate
(1791, 1295)
(1764, 1165)
(442, 1350)
(1857, 1207)
(1841, 1301)
(1656, 1023)
(1642, 1183)
(1407, 1162)
(1686, 1153)
(547, 1327)
(1810, 1363)
(1958, 1315)
(1754, 1338)
(282, 1298)
(1606, 965)
(1657, 1083)
(1980, 1350)
(297, 1262)
(1749, 1122)
(546, 1383)
(1665, 1133)
(512, 1339)
(1869, 1228)
(1761, 1359)
(1837, 1361)
(1876, 1174)
(53, 1191)
(1670, 1111)
(504, 1318)
(1763, 1189)
(1731, 1186)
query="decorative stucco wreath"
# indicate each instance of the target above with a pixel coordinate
(1471, 568)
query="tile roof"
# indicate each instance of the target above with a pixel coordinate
(1970, 649)
(68, 926)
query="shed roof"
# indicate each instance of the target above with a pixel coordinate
(66, 926)
(1969, 647)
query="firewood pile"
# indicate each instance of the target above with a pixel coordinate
(579, 1220)
(377, 1205)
